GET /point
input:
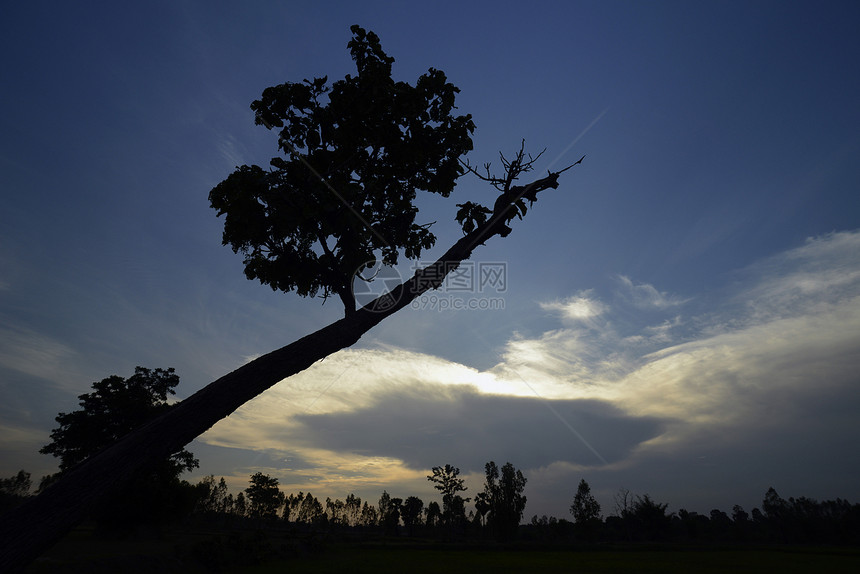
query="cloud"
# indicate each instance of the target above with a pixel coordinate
(34, 354)
(21, 436)
(429, 425)
(646, 296)
(825, 270)
(580, 307)
(763, 381)
(343, 382)
(739, 372)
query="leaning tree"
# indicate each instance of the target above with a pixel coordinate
(338, 202)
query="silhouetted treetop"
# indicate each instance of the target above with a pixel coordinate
(341, 200)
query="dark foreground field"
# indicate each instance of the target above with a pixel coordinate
(190, 553)
(378, 560)
(639, 560)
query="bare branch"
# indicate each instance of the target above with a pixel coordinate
(568, 167)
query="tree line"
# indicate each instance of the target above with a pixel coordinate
(497, 513)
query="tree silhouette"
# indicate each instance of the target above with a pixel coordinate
(433, 514)
(14, 490)
(773, 505)
(389, 512)
(503, 499)
(29, 529)
(211, 497)
(115, 407)
(585, 507)
(264, 496)
(335, 510)
(585, 510)
(446, 479)
(352, 510)
(649, 517)
(411, 512)
(18, 486)
(240, 507)
(369, 515)
(342, 199)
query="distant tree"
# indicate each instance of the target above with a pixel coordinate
(456, 516)
(433, 514)
(47, 481)
(292, 504)
(504, 499)
(739, 515)
(446, 479)
(115, 407)
(14, 490)
(369, 515)
(758, 516)
(18, 485)
(335, 511)
(550, 528)
(650, 517)
(585, 508)
(352, 510)
(411, 512)
(721, 524)
(482, 508)
(361, 145)
(693, 524)
(623, 502)
(264, 496)
(240, 507)
(586, 511)
(311, 511)
(774, 507)
(389, 512)
(211, 497)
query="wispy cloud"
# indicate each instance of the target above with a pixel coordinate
(647, 296)
(34, 354)
(581, 307)
(823, 271)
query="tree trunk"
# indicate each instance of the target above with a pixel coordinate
(32, 528)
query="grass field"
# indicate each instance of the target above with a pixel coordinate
(192, 552)
(384, 560)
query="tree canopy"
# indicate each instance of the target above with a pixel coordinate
(502, 499)
(342, 198)
(585, 508)
(264, 496)
(115, 407)
(446, 479)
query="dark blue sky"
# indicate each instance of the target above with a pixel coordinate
(683, 309)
